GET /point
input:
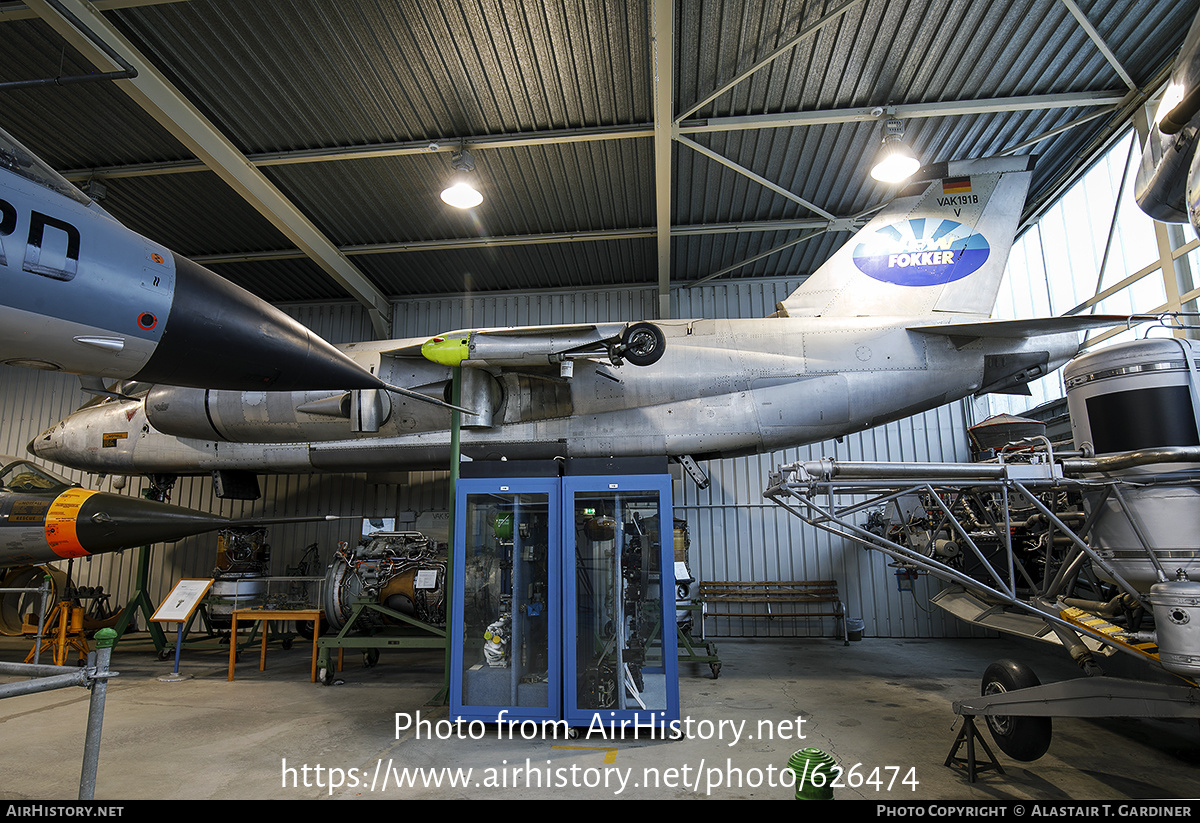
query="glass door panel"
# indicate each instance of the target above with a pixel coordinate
(507, 610)
(617, 655)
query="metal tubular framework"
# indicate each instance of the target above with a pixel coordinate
(953, 499)
(93, 676)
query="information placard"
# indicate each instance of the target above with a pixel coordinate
(182, 601)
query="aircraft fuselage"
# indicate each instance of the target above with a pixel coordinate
(722, 388)
(83, 294)
(44, 518)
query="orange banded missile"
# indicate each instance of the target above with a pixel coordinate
(79, 522)
(45, 517)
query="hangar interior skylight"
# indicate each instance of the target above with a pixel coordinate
(1095, 252)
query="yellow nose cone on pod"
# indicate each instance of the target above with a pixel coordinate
(447, 350)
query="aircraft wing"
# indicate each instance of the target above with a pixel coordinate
(964, 333)
(640, 343)
(519, 346)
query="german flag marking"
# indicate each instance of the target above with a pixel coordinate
(956, 185)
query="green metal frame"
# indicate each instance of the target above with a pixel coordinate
(429, 637)
(687, 647)
(140, 602)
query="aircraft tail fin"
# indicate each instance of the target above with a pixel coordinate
(939, 248)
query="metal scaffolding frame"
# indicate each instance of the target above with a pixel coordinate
(94, 676)
(833, 496)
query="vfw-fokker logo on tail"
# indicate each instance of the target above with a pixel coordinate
(922, 252)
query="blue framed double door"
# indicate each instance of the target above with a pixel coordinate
(564, 603)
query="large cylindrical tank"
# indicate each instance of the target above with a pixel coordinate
(1131, 397)
(1137, 395)
(232, 591)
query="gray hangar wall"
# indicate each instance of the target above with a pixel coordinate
(734, 533)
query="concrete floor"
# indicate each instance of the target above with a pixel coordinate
(877, 703)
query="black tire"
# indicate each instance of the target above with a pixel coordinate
(644, 344)
(1021, 738)
(304, 628)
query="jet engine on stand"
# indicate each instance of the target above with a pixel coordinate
(1136, 406)
(243, 561)
(404, 572)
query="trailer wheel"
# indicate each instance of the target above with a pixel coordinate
(644, 344)
(1021, 738)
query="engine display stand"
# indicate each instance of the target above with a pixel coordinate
(66, 634)
(420, 636)
(690, 648)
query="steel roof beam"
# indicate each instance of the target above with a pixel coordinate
(156, 95)
(359, 152)
(757, 178)
(663, 60)
(955, 108)
(816, 26)
(748, 227)
(20, 11)
(760, 256)
(633, 131)
(1046, 135)
(1095, 37)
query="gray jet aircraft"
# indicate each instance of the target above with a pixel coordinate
(895, 323)
(81, 293)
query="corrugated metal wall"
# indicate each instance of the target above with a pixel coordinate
(734, 532)
(737, 535)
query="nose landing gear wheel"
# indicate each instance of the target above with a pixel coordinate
(644, 344)
(1021, 738)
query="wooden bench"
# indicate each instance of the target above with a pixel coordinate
(773, 600)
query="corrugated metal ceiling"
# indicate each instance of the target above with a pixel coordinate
(338, 103)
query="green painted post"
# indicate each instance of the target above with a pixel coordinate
(455, 454)
(815, 772)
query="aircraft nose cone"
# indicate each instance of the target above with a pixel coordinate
(41, 445)
(107, 522)
(220, 336)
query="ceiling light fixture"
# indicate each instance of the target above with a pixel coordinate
(895, 161)
(461, 193)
